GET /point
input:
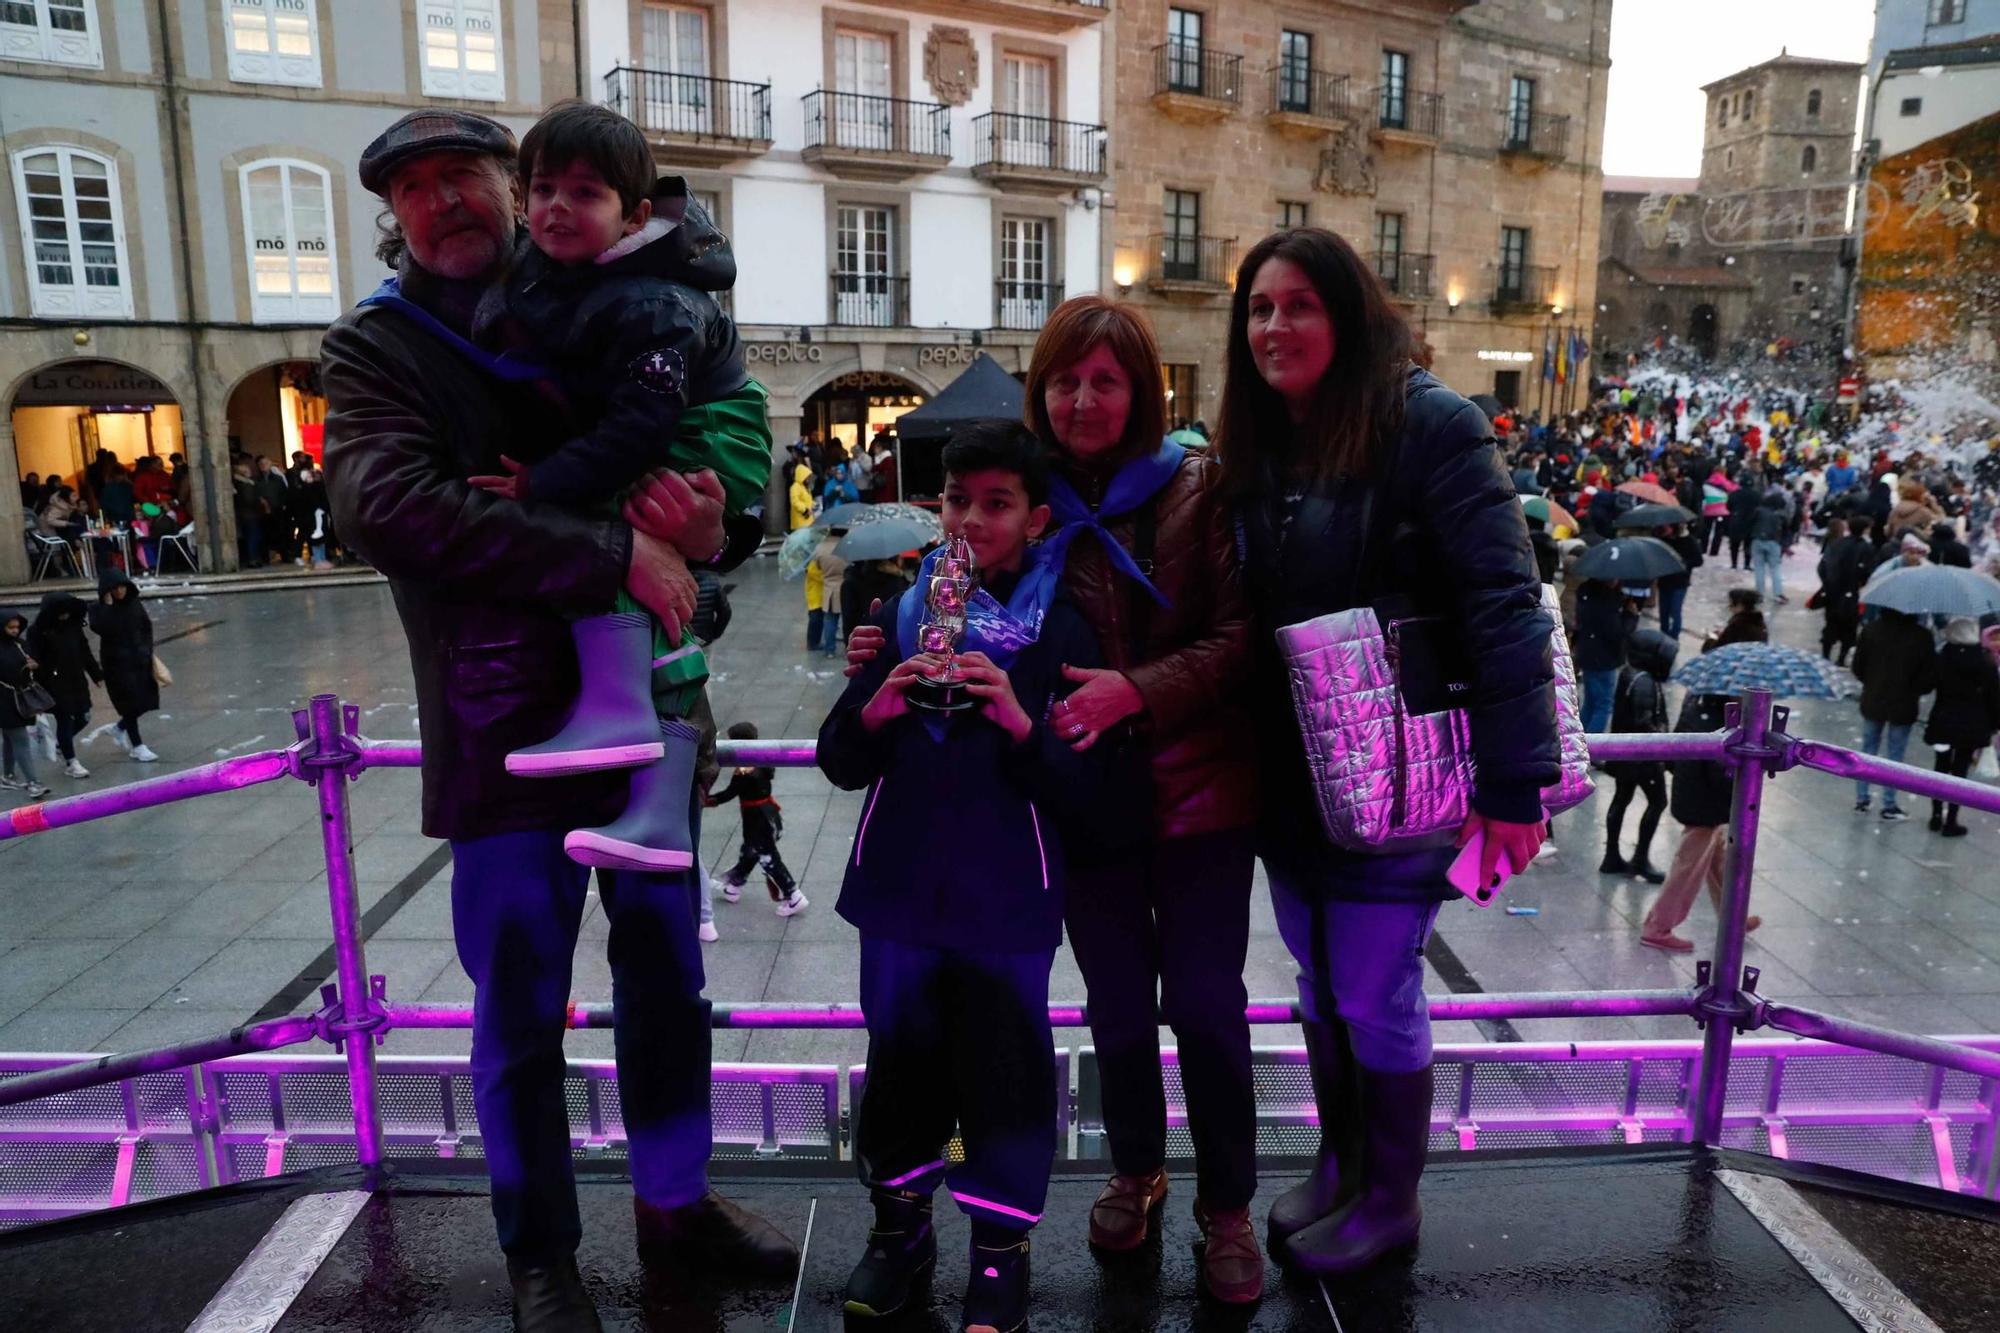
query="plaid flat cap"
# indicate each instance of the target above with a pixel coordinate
(431, 131)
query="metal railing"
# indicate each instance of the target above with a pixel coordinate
(1300, 90)
(1208, 261)
(691, 106)
(1410, 112)
(1036, 143)
(1193, 69)
(868, 301)
(124, 1097)
(1524, 287)
(1403, 273)
(1024, 305)
(885, 126)
(1534, 133)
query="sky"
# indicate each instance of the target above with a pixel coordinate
(1663, 51)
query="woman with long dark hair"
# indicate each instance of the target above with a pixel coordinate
(1358, 477)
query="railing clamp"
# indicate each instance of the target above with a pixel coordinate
(1742, 1008)
(1779, 752)
(332, 1025)
(306, 760)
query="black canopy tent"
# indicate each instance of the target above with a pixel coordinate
(982, 390)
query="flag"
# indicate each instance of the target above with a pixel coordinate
(1579, 351)
(1562, 360)
(1549, 355)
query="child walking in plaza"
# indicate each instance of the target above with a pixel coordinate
(17, 677)
(1640, 706)
(616, 296)
(763, 825)
(955, 886)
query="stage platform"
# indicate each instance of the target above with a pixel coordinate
(1626, 1239)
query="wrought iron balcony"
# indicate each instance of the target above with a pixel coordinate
(879, 138)
(1036, 153)
(868, 301)
(1535, 134)
(691, 117)
(1192, 263)
(1195, 82)
(1308, 98)
(1524, 289)
(1024, 305)
(1407, 276)
(1405, 116)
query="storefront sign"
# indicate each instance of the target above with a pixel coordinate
(784, 353)
(90, 384)
(947, 356)
(1496, 354)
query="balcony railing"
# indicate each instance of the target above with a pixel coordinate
(1005, 144)
(881, 127)
(1191, 69)
(1406, 112)
(1524, 287)
(1300, 90)
(1024, 305)
(692, 107)
(868, 301)
(1404, 274)
(1195, 261)
(1534, 134)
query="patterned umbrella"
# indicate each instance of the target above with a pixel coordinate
(1651, 494)
(1933, 590)
(1785, 672)
(854, 515)
(797, 552)
(1551, 514)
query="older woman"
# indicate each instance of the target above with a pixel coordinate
(1359, 476)
(1159, 900)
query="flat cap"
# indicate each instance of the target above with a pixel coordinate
(431, 131)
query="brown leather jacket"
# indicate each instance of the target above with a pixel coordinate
(1195, 668)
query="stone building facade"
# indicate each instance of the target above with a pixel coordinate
(1457, 144)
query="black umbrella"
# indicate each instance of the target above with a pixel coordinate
(1652, 516)
(1630, 560)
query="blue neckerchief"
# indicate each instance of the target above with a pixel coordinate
(1001, 632)
(1136, 483)
(501, 365)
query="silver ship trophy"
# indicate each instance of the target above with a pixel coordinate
(952, 580)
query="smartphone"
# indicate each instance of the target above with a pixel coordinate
(1464, 873)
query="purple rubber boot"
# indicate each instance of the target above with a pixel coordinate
(652, 834)
(613, 723)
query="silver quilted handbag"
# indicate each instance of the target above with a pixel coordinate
(1387, 779)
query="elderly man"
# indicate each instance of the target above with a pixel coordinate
(483, 585)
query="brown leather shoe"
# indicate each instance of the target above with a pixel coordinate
(1232, 1267)
(1118, 1218)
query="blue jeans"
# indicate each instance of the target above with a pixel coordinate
(958, 1039)
(1765, 558)
(1873, 734)
(831, 644)
(1671, 602)
(1374, 958)
(516, 906)
(1600, 693)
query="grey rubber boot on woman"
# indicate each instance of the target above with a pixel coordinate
(1386, 1215)
(1336, 1173)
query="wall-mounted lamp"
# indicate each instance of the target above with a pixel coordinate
(1452, 297)
(1124, 277)
(1556, 309)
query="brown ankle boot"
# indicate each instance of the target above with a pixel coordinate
(1118, 1219)
(1232, 1267)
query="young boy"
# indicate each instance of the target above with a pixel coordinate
(763, 825)
(1640, 706)
(615, 296)
(955, 885)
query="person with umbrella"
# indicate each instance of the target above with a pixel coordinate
(831, 566)
(1897, 663)
(1964, 715)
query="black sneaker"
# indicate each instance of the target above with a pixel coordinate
(1613, 864)
(1861, 806)
(1894, 814)
(1937, 821)
(996, 1293)
(901, 1255)
(549, 1298)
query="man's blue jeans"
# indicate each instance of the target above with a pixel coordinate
(516, 906)
(1671, 602)
(1600, 693)
(1767, 558)
(1873, 734)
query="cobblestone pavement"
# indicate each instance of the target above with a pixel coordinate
(184, 921)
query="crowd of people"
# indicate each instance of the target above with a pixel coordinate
(282, 515)
(47, 669)
(146, 501)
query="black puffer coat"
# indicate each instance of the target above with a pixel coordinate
(125, 647)
(14, 672)
(1702, 788)
(1966, 711)
(57, 641)
(1896, 660)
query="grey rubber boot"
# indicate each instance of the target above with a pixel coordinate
(613, 723)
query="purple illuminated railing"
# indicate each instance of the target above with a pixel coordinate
(355, 1016)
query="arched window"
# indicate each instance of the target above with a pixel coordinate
(1809, 159)
(75, 233)
(289, 243)
(461, 49)
(272, 41)
(1812, 104)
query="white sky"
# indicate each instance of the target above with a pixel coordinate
(1663, 51)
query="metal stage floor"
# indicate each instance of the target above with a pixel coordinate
(1624, 1239)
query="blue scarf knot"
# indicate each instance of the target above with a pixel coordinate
(1136, 483)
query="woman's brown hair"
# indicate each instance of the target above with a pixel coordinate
(1079, 325)
(1359, 406)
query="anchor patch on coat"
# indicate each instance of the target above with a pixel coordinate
(660, 371)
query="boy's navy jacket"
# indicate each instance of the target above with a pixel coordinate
(960, 840)
(639, 339)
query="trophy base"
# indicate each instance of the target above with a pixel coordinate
(940, 696)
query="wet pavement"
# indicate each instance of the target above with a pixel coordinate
(184, 921)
